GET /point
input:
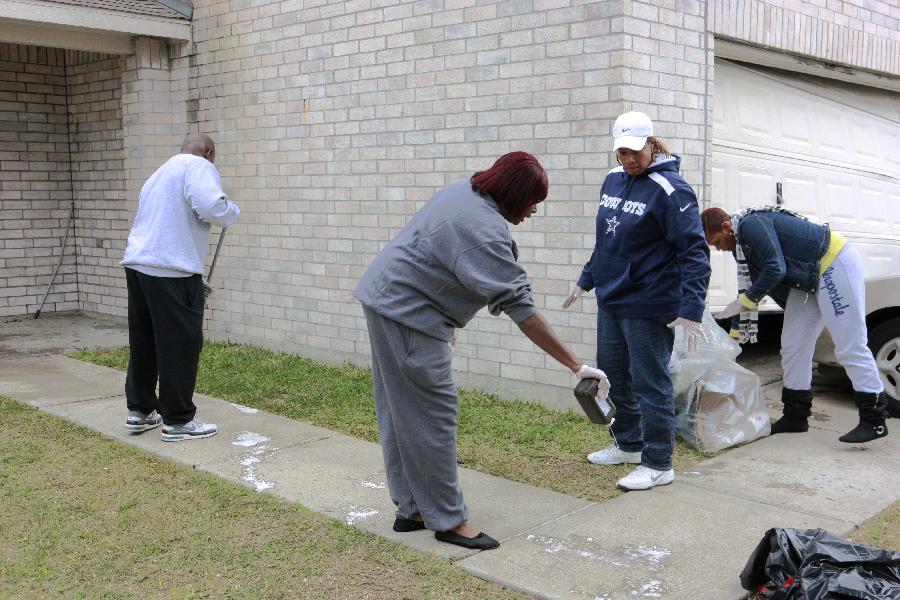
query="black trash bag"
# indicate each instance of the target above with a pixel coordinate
(813, 564)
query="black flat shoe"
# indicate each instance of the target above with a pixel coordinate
(405, 525)
(482, 541)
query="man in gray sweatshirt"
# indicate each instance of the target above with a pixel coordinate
(163, 263)
(453, 258)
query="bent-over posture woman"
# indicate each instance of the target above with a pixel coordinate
(816, 276)
(453, 258)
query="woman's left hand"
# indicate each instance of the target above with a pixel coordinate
(693, 333)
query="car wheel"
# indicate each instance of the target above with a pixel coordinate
(884, 341)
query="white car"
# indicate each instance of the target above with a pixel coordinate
(883, 322)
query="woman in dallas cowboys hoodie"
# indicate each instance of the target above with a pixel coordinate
(650, 269)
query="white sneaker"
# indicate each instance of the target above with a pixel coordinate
(644, 478)
(193, 430)
(611, 455)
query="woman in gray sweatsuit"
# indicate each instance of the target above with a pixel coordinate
(454, 257)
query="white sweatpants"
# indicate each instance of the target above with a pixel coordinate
(840, 305)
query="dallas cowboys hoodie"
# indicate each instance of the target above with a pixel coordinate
(650, 258)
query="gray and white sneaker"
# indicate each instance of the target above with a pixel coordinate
(612, 455)
(136, 422)
(192, 430)
(644, 478)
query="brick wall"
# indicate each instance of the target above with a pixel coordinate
(94, 84)
(82, 127)
(61, 134)
(336, 121)
(35, 187)
(858, 33)
(154, 105)
(127, 116)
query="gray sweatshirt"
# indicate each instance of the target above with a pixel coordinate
(453, 258)
(170, 235)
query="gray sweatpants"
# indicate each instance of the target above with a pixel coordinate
(416, 406)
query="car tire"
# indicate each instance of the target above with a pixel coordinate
(884, 341)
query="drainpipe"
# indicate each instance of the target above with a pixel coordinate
(706, 148)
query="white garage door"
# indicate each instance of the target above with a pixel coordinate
(833, 147)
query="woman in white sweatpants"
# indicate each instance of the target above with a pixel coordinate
(839, 305)
(817, 277)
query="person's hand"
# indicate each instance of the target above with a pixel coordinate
(207, 291)
(453, 337)
(586, 372)
(734, 308)
(572, 297)
(693, 332)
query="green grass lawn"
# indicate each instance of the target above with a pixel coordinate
(512, 439)
(881, 531)
(85, 516)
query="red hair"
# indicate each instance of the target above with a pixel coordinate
(712, 219)
(515, 182)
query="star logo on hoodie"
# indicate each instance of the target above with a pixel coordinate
(611, 225)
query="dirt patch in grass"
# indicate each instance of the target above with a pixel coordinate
(516, 440)
(87, 517)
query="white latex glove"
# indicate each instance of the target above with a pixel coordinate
(733, 308)
(693, 332)
(586, 372)
(572, 297)
(207, 290)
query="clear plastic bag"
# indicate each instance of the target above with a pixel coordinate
(718, 403)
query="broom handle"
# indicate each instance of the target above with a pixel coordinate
(212, 265)
(62, 253)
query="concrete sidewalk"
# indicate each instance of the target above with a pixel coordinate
(687, 540)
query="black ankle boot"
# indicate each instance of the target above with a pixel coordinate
(872, 410)
(797, 408)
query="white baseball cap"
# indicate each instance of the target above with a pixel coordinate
(631, 131)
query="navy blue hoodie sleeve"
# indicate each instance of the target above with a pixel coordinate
(586, 280)
(760, 242)
(685, 233)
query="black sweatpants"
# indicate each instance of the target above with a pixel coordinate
(165, 332)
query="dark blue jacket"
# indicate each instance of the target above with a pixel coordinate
(783, 252)
(650, 258)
